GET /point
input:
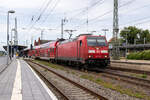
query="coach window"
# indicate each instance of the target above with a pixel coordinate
(80, 43)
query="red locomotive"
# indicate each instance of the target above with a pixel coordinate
(82, 50)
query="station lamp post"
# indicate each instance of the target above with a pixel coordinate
(12, 41)
(10, 11)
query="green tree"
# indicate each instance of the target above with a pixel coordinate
(134, 34)
(145, 34)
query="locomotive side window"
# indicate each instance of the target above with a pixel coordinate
(96, 41)
(80, 43)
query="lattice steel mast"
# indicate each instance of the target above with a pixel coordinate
(115, 31)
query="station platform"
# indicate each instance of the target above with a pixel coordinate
(3, 63)
(19, 82)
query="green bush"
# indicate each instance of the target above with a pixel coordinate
(147, 55)
(144, 55)
(131, 56)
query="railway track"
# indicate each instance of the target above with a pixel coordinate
(129, 70)
(119, 75)
(132, 63)
(70, 89)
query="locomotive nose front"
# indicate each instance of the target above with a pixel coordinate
(98, 52)
(97, 48)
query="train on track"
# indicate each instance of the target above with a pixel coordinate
(84, 50)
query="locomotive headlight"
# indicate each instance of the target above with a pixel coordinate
(104, 51)
(91, 51)
(90, 56)
(105, 56)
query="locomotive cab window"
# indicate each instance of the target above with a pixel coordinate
(96, 41)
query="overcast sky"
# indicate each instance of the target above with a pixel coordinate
(36, 15)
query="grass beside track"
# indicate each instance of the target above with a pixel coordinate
(55, 66)
(117, 88)
(99, 81)
(144, 76)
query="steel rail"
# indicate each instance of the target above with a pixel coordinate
(141, 82)
(45, 79)
(133, 63)
(129, 70)
(71, 81)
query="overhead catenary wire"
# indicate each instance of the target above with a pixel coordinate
(34, 16)
(40, 15)
(45, 8)
(137, 21)
(49, 14)
(106, 13)
(84, 10)
(100, 18)
(87, 9)
(52, 9)
(55, 5)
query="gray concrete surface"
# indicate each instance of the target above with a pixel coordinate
(3, 63)
(7, 80)
(31, 87)
(3, 60)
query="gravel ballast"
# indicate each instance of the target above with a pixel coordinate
(106, 92)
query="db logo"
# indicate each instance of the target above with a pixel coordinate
(98, 51)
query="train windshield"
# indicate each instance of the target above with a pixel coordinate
(96, 41)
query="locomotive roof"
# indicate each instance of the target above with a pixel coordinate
(76, 38)
(84, 35)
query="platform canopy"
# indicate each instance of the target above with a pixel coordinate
(19, 47)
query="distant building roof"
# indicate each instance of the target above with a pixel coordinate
(112, 39)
